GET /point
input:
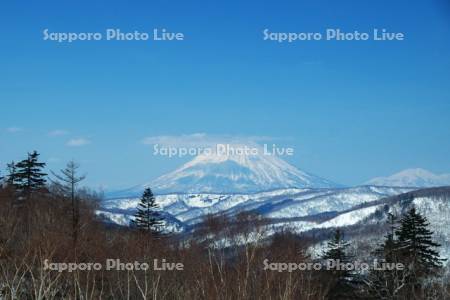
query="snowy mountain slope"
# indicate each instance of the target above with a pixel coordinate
(231, 173)
(306, 202)
(333, 201)
(123, 218)
(361, 210)
(194, 205)
(278, 204)
(433, 203)
(412, 178)
(342, 219)
(366, 226)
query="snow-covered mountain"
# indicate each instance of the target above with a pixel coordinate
(361, 210)
(285, 206)
(284, 195)
(412, 178)
(368, 223)
(231, 173)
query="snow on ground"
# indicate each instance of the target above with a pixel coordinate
(350, 218)
(277, 204)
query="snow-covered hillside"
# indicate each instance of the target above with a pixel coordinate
(363, 208)
(283, 204)
(412, 178)
(231, 173)
(228, 184)
(433, 203)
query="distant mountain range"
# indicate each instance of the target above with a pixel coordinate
(285, 196)
(244, 174)
(412, 178)
(361, 210)
(283, 206)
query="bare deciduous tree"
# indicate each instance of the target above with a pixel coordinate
(67, 183)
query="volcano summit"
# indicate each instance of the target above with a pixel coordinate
(229, 173)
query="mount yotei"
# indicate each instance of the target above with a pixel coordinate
(231, 174)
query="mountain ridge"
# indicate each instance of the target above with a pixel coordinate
(414, 177)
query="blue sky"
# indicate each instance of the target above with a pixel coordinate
(351, 110)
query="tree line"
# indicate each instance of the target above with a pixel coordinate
(52, 218)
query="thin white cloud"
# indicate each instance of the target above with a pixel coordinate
(78, 142)
(58, 132)
(13, 129)
(202, 140)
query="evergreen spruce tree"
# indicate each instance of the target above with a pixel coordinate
(11, 179)
(387, 250)
(342, 280)
(416, 248)
(147, 218)
(29, 176)
(412, 246)
(387, 283)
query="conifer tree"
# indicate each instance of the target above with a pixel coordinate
(387, 282)
(412, 246)
(342, 279)
(416, 247)
(11, 179)
(336, 248)
(147, 218)
(29, 174)
(388, 250)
